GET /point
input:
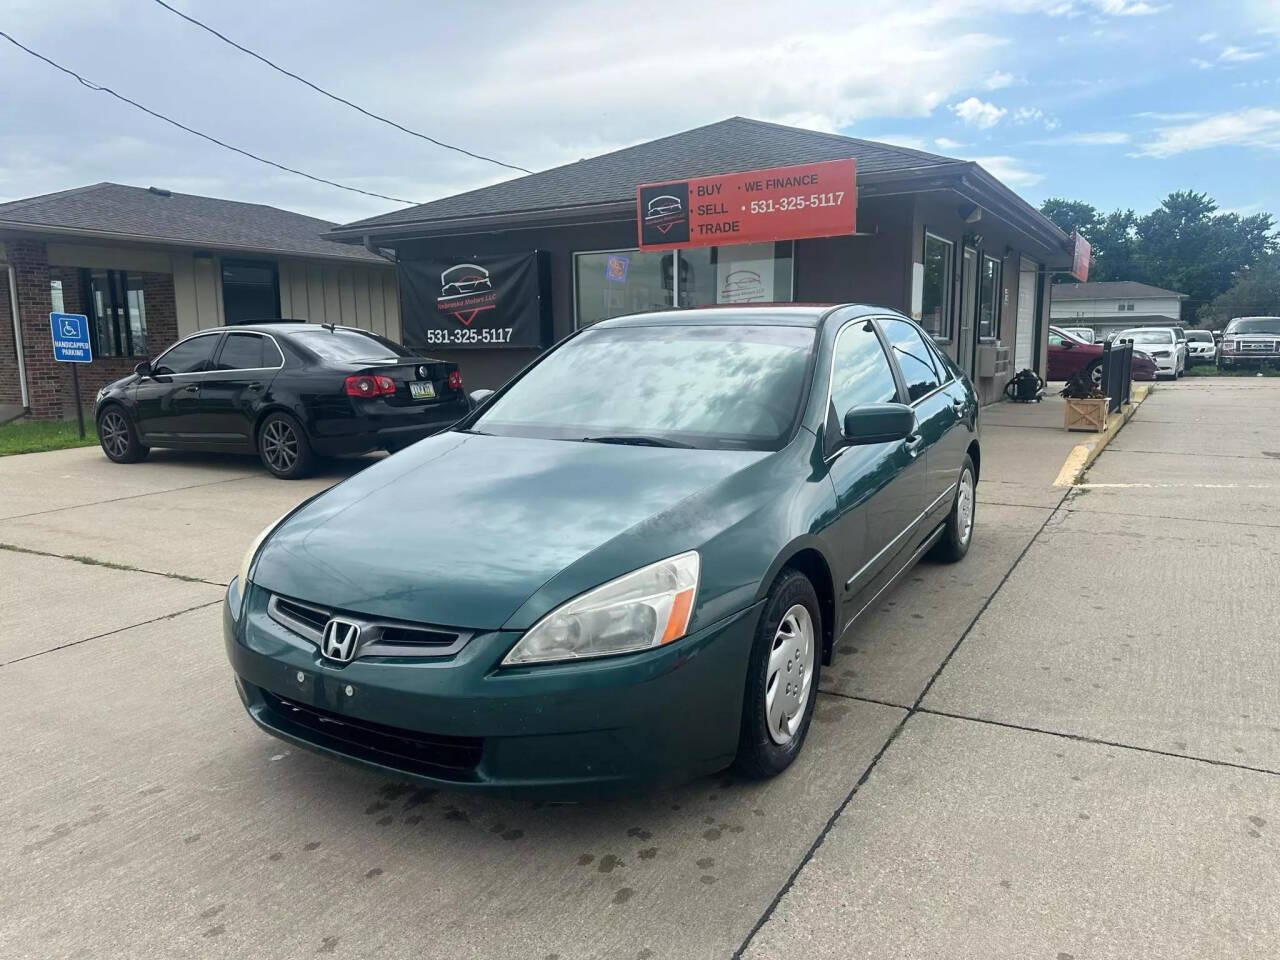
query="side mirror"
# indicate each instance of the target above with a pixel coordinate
(480, 396)
(143, 369)
(1069, 344)
(879, 423)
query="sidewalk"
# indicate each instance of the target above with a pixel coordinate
(1023, 449)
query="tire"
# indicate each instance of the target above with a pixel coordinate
(284, 448)
(790, 622)
(118, 437)
(1094, 370)
(957, 534)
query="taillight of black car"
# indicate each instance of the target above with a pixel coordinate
(370, 385)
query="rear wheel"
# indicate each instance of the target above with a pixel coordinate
(284, 448)
(782, 678)
(118, 436)
(1095, 373)
(958, 532)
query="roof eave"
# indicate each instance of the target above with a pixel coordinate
(40, 229)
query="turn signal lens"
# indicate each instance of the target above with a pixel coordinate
(647, 608)
(363, 385)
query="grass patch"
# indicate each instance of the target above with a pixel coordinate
(36, 436)
(1204, 370)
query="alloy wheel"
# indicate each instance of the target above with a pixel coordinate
(114, 434)
(280, 446)
(964, 507)
(789, 680)
(1096, 374)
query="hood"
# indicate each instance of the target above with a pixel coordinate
(460, 529)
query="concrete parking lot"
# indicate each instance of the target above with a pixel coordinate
(1067, 746)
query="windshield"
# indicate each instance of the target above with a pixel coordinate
(1254, 325)
(349, 345)
(719, 387)
(1147, 336)
(1202, 336)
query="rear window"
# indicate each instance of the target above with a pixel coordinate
(348, 345)
(1146, 336)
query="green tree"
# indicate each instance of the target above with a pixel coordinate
(1071, 215)
(1255, 292)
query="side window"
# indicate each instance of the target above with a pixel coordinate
(271, 353)
(241, 351)
(190, 356)
(860, 371)
(913, 357)
(1055, 339)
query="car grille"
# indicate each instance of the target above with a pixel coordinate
(432, 755)
(1256, 346)
(378, 638)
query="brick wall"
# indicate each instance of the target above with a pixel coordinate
(10, 388)
(49, 383)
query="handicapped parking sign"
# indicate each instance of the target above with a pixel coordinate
(71, 338)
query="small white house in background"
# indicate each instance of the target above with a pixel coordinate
(1110, 305)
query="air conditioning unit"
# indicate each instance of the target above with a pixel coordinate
(993, 360)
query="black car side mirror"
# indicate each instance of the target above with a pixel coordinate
(480, 396)
(143, 369)
(879, 423)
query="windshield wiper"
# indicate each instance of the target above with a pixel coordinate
(637, 440)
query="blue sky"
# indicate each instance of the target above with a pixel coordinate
(1116, 102)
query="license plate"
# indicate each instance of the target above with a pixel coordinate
(422, 390)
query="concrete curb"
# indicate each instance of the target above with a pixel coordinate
(1082, 455)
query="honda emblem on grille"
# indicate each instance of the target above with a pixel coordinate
(339, 639)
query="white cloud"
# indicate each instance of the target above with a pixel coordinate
(1025, 115)
(1201, 64)
(1238, 55)
(946, 143)
(978, 113)
(1206, 38)
(1112, 8)
(1009, 170)
(998, 81)
(1252, 127)
(1099, 138)
(1169, 117)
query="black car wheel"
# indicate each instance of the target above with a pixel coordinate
(284, 448)
(1095, 373)
(958, 532)
(782, 678)
(118, 436)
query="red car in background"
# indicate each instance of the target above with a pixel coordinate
(1068, 354)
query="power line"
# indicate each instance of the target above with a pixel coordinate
(181, 126)
(334, 96)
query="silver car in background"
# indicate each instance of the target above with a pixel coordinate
(1201, 347)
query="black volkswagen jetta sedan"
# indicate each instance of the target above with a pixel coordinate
(629, 563)
(286, 391)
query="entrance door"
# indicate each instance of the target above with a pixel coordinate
(968, 305)
(1026, 334)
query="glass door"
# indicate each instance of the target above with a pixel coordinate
(968, 302)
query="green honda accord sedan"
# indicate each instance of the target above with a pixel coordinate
(629, 564)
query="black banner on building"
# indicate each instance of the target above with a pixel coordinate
(485, 301)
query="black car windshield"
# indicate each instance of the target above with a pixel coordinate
(1254, 325)
(716, 386)
(348, 345)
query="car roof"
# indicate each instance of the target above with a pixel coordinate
(746, 314)
(284, 327)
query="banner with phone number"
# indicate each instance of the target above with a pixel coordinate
(478, 301)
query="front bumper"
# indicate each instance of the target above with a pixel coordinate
(667, 714)
(1252, 358)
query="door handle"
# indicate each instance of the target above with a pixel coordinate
(958, 403)
(915, 444)
(192, 388)
(256, 385)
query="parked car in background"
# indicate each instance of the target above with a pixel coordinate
(1068, 355)
(1162, 345)
(1200, 347)
(1083, 334)
(284, 390)
(1250, 341)
(630, 563)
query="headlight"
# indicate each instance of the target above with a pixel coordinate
(252, 552)
(643, 609)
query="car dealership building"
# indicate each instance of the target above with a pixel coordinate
(489, 277)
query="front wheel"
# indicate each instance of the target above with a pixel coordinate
(284, 448)
(957, 534)
(782, 678)
(118, 437)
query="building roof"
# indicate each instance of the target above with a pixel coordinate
(728, 146)
(1137, 320)
(1110, 290)
(151, 215)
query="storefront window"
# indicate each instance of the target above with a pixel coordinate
(55, 296)
(935, 304)
(613, 283)
(250, 291)
(618, 282)
(989, 298)
(118, 313)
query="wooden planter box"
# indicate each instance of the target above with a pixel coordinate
(1087, 414)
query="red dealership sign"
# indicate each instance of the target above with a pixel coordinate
(1080, 256)
(784, 203)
